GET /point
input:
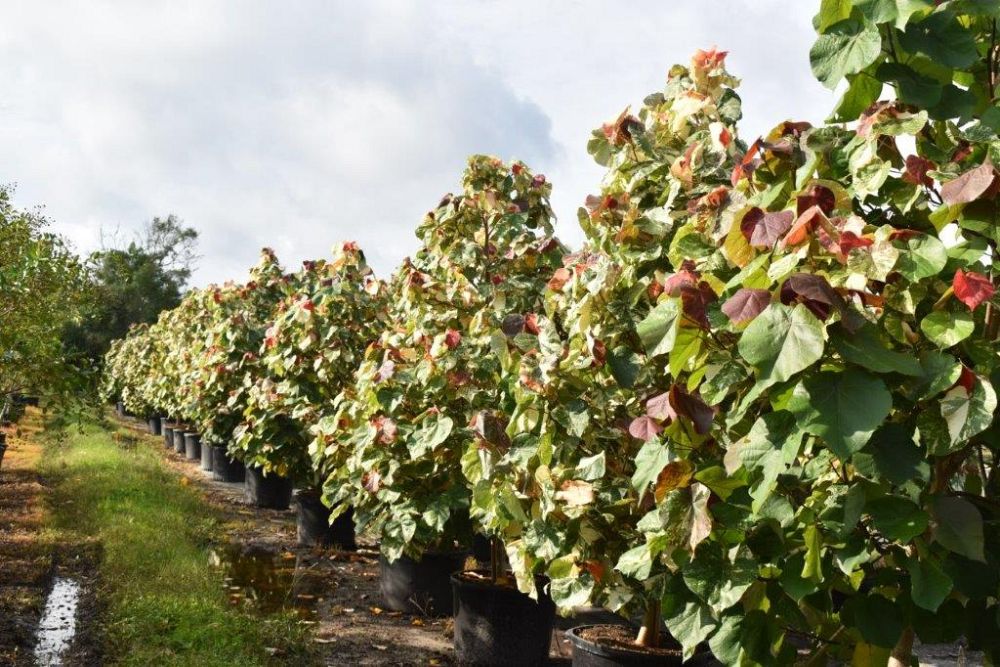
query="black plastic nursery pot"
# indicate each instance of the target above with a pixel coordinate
(154, 426)
(225, 469)
(615, 651)
(192, 446)
(312, 519)
(3, 447)
(120, 408)
(206, 457)
(420, 586)
(167, 430)
(268, 491)
(179, 440)
(500, 626)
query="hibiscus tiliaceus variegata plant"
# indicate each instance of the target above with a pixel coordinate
(332, 312)
(761, 401)
(429, 385)
(231, 362)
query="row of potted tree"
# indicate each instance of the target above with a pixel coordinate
(754, 414)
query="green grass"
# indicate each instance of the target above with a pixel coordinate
(163, 604)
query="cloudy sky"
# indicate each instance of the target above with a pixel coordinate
(299, 123)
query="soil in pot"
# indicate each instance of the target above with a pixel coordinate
(154, 426)
(614, 646)
(496, 624)
(179, 440)
(225, 469)
(192, 446)
(312, 519)
(206, 457)
(268, 491)
(420, 586)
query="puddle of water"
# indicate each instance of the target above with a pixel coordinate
(58, 624)
(265, 581)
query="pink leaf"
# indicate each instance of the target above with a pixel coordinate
(644, 428)
(970, 186)
(746, 304)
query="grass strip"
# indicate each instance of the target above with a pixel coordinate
(163, 604)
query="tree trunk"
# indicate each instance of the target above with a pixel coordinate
(903, 651)
(649, 633)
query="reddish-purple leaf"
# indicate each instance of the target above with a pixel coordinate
(644, 428)
(693, 408)
(687, 276)
(816, 195)
(916, 171)
(972, 288)
(763, 230)
(806, 223)
(694, 302)
(813, 292)
(746, 304)
(970, 186)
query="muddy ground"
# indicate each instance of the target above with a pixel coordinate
(30, 557)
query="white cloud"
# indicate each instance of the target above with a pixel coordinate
(299, 124)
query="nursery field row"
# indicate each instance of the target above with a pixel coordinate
(754, 415)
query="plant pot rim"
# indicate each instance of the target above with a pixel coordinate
(603, 650)
(433, 553)
(458, 579)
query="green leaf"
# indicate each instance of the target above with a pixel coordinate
(727, 642)
(897, 518)
(717, 581)
(690, 623)
(434, 431)
(940, 371)
(636, 562)
(941, 38)
(878, 619)
(782, 341)
(651, 459)
(865, 348)
(590, 468)
(921, 256)
(968, 414)
(877, 11)
(846, 48)
(571, 592)
(624, 365)
(830, 13)
(658, 330)
(946, 329)
(958, 526)
(721, 484)
(862, 91)
(929, 585)
(894, 455)
(812, 567)
(914, 88)
(842, 408)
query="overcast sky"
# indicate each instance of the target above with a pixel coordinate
(296, 124)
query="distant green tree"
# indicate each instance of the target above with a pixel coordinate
(134, 283)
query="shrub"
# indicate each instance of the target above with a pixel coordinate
(429, 385)
(333, 310)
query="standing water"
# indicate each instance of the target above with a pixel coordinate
(58, 624)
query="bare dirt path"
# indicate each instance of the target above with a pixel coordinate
(30, 556)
